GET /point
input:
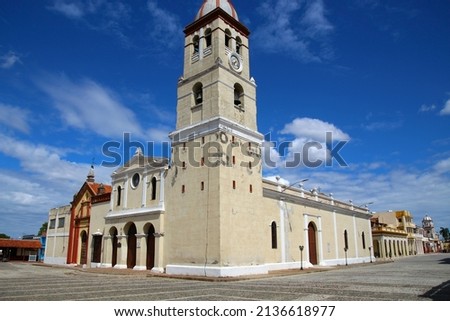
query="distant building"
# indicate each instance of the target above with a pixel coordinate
(43, 239)
(395, 234)
(57, 235)
(432, 243)
(23, 250)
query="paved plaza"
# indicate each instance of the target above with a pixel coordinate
(418, 278)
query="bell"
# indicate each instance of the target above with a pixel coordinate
(199, 98)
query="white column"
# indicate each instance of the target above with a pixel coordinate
(141, 253)
(336, 248)
(355, 235)
(282, 233)
(111, 200)
(125, 193)
(305, 231)
(319, 234)
(282, 229)
(144, 189)
(201, 42)
(370, 240)
(161, 189)
(122, 252)
(107, 248)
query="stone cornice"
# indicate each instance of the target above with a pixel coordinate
(213, 15)
(213, 125)
(217, 65)
(304, 201)
(135, 212)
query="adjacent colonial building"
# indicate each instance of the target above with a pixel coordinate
(80, 219)
(57, 235)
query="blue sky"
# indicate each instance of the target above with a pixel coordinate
(77, 74)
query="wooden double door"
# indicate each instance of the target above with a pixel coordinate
(312, 243)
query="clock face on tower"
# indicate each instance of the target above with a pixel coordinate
(235, 61)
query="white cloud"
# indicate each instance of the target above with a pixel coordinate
(315, 21)
(311, 145)
(42, 160)
(295, 27)
(15, 117)
(165, 26)
(87, 105)
(425, 108)
(45, 180)
(443, 166)
(7, 61)
(109, 17)
(383, 125)
(446, 110)
(25, 204)
(74, 10)
(159, 133)
(313, 129)
(270, 156)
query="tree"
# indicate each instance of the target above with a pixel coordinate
(4, 236)
(43, 229)
(445, 233)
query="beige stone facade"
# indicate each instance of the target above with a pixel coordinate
(208, 211)
(132, 225)
(57, 235)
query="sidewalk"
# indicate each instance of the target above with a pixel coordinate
(271, 274)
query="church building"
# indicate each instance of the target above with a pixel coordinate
(208, 211)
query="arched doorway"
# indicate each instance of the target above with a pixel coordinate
(150, 247)
(131, 250)
(312, 243)
(114, 241)
(83, 252)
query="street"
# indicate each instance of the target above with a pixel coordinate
(418, 278)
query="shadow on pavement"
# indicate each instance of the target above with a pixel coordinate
(439, 293)
(445, 261)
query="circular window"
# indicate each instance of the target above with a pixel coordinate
(135, 180)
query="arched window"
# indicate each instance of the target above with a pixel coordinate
(227, 38)
(119, 195)
(238, 45)
(345, 239)
(208, 37)
(273, 229)
(153, 188)
(363, 236)
(196, 43)
(238, 95)
(198, 93)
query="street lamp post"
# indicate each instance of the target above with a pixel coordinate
(301, 247)
(345, 250)
(299, 182)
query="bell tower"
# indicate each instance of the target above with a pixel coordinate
(216, 165)
(216, 80)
